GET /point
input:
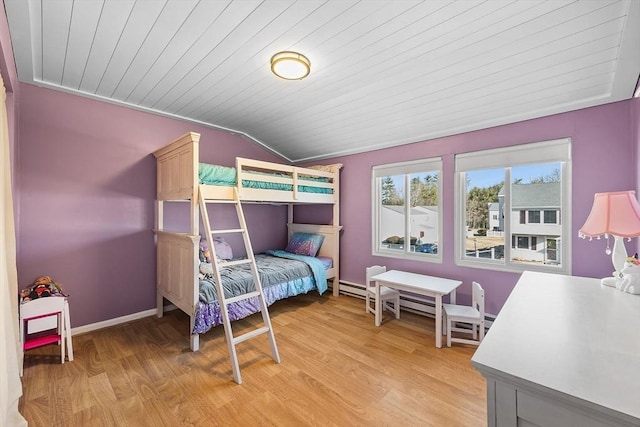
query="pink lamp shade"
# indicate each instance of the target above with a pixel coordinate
(615, 214)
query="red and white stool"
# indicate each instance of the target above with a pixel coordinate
(45, 321)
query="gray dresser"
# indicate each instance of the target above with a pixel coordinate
(563, 351)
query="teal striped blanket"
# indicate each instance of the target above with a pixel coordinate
(317, 268)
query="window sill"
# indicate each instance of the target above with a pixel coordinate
(433, 258)
(512, 268)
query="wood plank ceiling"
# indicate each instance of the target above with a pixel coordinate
(383, 73)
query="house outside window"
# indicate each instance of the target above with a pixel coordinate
(406, 210)
(494, 213)
(534, 233)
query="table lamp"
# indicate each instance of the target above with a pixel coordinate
(615, 214)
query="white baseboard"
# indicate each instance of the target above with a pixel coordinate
(118, 320)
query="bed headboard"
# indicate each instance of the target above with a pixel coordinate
(177, 170)
(329, 246)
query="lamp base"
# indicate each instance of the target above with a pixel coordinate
(619, 255)
(625, 284)
(623, 278)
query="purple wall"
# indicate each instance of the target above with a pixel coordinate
(603, 160)
(87, 187)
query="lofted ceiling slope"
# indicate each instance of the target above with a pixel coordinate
(384, 73)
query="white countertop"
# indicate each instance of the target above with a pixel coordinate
(569, 336)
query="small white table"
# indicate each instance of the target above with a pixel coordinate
(422, 284)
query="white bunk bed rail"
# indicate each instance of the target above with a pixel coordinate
(178, 177)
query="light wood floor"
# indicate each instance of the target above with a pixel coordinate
(337, 369)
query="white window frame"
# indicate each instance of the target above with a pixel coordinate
(557, 150)
(433, 164)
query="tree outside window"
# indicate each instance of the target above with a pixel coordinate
(407, 210)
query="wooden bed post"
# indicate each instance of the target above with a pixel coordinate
(336, 224)
(195, 212)
(194, 342)
(159, 226)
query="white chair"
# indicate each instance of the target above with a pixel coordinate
(473, 315)
(47, 321)
(387, 294)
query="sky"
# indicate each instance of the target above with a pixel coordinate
(488, 177)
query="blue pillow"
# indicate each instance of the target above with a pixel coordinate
(305, 244)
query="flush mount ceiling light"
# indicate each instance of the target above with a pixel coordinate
(290, 65)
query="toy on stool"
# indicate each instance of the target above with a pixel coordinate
(629, 278)
(43, 286)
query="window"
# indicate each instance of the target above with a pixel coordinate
(550, 217)
(406, 210)
(523, 242)
(552, 249)
(530, 185)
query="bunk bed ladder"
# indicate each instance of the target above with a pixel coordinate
(224, 302)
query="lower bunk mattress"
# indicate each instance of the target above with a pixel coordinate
(282, 275)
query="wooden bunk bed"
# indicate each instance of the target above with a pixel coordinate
(178, 254)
